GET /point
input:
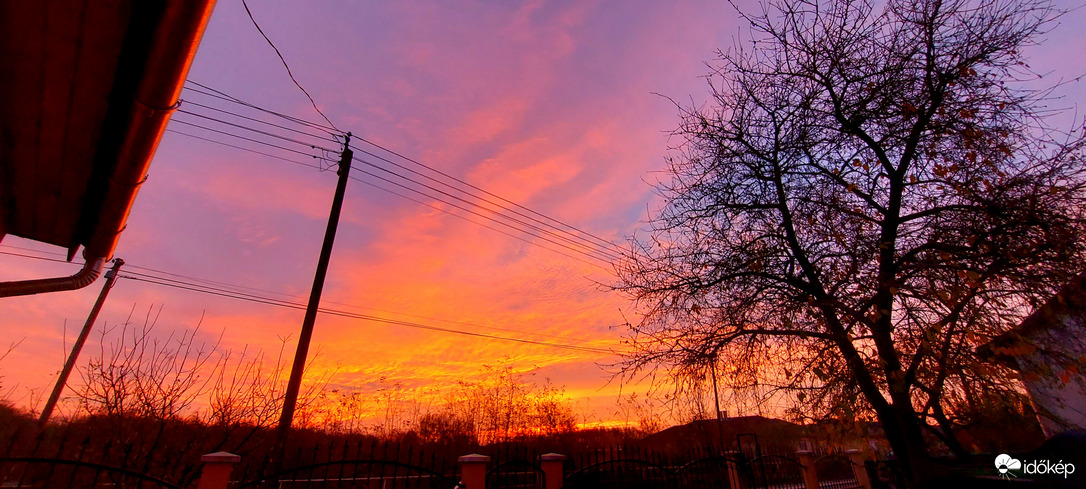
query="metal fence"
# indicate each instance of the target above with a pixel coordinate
(636, 468)
(775, 472)
(52, 462)
(355, 465)
(43, 472)
(835, 471)
(359, 473)
(515, 467)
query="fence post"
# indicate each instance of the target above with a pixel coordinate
(810, 475)
(473, 471)
(732, 460)
(215, 473)
(858, 468)
(553, 470)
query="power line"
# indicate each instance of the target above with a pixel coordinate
(240, 116)
(524, 226)
(477, 223)
(226, 286)
(299, 85)
(605, 247)
(55, 260)
(434, 193)
(218, 94)
(317, 167)
(226, 133)
(476, 213)
(204, 280)
(333, 312)
(247, 128)
(565, 236)
(462, 182)
(229, 290)
(252, 129)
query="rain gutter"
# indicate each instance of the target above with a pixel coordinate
(169, 55)
(173, 40)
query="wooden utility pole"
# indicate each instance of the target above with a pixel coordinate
(716, 397)
(54, 397)
(290, 400)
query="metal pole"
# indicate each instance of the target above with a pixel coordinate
(716, 396)
(294, 384)
(47, 411)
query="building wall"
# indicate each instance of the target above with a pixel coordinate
(1053, 374)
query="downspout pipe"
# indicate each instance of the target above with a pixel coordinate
(84, 277)
(169, 54)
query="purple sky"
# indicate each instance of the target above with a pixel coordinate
(549, 104)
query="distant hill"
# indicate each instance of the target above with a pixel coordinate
(771, 433)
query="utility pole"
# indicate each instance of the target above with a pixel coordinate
(47, 411)
(716, 397)
(294, 384)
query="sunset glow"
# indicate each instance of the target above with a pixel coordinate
(562, 107)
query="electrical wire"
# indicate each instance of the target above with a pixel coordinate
(334, 312)
(247, 128)
(565, 236)
(479, 214)
(317, 167)
(561, 240)
(526, 228)
(608, 248)
(253, 119)
(226, 133)
(477, 223)
(227, 289)
(218, 94)
(285, 65)
(55, 260)
(232, 289)
(469, 185)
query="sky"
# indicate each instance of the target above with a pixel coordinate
(560, 106)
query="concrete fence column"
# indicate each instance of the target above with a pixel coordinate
(553, 465)
(473, 471)
(810, 475)
(215, 473)
(733, 459)
(858, 468)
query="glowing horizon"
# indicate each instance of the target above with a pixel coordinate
(551, 105)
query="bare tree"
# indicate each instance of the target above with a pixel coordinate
(552, 412)
(640, 409)
(502, 405)
(248, 389)
(869, 195)
(393, 403)
(5, 392)
(141, 375)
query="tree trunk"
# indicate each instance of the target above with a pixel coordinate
(902, 428)
(948, 437)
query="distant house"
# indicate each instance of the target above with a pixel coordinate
(768, 435)
(1049, 351)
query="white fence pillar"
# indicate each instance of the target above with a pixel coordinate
(473, 471)
(215, 474)
(553, 465)
(734, 459)
(858, 468)
(810, 475)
